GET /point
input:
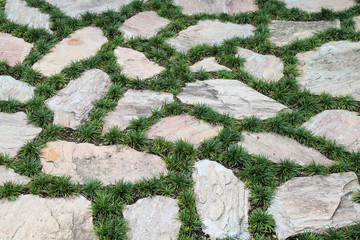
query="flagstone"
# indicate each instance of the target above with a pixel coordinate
(209, 65)
(14, 89)
(9, 175)
(357, 23)
(317, 5)
(13, 50)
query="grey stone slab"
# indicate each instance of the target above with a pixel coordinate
(11, 88)
(317, 5)
(9, 175)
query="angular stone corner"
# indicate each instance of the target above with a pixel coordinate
(134, 64)
(9, 175)
(33, 217)
(209, 32)
(11, 88)
(85, 161)
(315, 203)
(232, 97)
(221, 200)
(357, 23)
(81, 44)
(132, 105)
(317, 5)
(13, 50)
(153, 218)
(183, 127)
(209, 65)
(72, 104)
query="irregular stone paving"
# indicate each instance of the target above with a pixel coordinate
(209, 32)
(144, 24)
(31, 217)
(221, 200)
(316, 5)
(264, 67)
(333, 68)
(85, 161)
(9, 175)
(339, 125)
(315, 204)
(277, 148)
(14, 89)
(18, 11)
(72, 104)
(285, 32)
(153, 218)
(13, 50)
(209, 65)
(15, 132)
(81, 44)
(134, 64)
(357, 23)
(133, 104)
(232, 7)
(183, 127)
(231, 96)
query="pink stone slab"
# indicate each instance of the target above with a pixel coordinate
(12, 49)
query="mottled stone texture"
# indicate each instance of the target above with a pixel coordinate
(209, 65)
(209, 32)
(316, 5)
(81, 44)
(315, 203)
(15, 132)
(339, 125)
(11, 88)
(72, 104)
(85, 161)
(144, 24)
(133, 104)
(9, 175)
(153, 218)
(221, 200)
(13, 50)
(357, 23)
(231, 96)
(31, 217)
(285, 32)
(333, 68)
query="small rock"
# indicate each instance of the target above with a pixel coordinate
(13, 50)
(153, 218)
(9, 175)
(209, 65)
(317, 5)
(357, 23)
(14, 89)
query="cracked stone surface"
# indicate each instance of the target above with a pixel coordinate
(333, 68)
(264, 67)
(160, 222)
(232, 7)
(81, 44)
(18, 11)
(134, 64)
(285, 32)
(85, 161)
(231, 96)
(315, 203)
(31, 217)
(339, 125)
(221, 200)
(72, 104)
(132, 105)
(183, 127)
(316, 5)
(13, 50)
(15, 132)
(357, 23)
(277, 148)
(11, 88)
(9, 175)
(144, 24)
(209, 65)
(209, 32)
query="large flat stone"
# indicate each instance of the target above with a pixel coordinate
(15, 132)
(232, 7)
(221, 200)
(72, 104)
(134, 64)
(135, 103)
(9, 175)
(13, 50)
(31, 217)
(209, 65)
(209, 32)
(357, 23)
(285, 32)
(339, 125)
(153, 218)
(79, 45)
(264, 67)
(11, 88)
(333, 68)
(315, 203)
(85, 161)
(183, 127)
(316, 5)
(277, 148)
(231, 96)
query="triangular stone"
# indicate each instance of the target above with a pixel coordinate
(9, 175)
(209, 65)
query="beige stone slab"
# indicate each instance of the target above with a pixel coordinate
(357, 23)
(9, 175)
(13, 50)
(11, 88)
(317, 5)
(209, 65)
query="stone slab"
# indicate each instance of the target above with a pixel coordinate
(316, 5)
(13, 50)
(357, 23)
(9, 175)
(11, 88)
(209, 65)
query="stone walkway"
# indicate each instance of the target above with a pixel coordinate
(121, 119)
